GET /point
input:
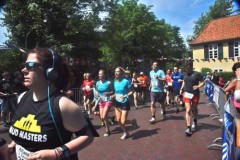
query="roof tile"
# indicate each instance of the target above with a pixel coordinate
(219, 29)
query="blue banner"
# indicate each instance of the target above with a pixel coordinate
(228, 136)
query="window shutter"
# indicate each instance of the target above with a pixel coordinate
(206, 55)
(220, 50)
(230, 49)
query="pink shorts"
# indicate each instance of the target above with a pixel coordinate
(195, 99)
(103, 104)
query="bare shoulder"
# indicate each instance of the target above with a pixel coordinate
(71, 114)
(67, 105)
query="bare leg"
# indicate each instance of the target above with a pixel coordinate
(188, 114)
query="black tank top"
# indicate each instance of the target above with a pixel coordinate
(33, 127)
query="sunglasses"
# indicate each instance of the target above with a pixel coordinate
(31, 66)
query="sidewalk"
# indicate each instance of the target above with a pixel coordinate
(164, 140)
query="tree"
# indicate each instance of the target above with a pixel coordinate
(221, 8)
(132, 30)
(69, 26)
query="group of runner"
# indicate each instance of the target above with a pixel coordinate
(173, 88)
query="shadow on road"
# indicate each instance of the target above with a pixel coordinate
(144, 133)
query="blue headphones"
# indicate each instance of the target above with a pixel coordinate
(51, 72)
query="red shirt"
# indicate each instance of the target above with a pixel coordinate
(88, 87)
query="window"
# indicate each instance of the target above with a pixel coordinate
(218, 70)
(236, 48)
(213, 51)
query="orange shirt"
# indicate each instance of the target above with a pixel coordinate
(143, 80)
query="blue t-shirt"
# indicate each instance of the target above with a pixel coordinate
(121, 89)
(175, 77)
(157, 85)
(103, 87)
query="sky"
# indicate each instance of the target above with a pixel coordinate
(181, 13)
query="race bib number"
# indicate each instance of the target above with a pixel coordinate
(155, 83)
(21, 153)
(88, 88)
(169, 83)
(104, 98)
(188, 95)
(135, 85)
(119, 97)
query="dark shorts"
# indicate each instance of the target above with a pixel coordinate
(176, 92)
(170, 88)
(9, 104)
(90, 97)
(123, 106)
(138, 90)
(158, 97)
(143, 89)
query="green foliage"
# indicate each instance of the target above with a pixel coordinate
(11, 61)
(204, 71)
(66, 25)
(227, 76)
(221, 8)
(132, 30)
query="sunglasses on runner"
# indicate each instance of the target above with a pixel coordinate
(31, 66)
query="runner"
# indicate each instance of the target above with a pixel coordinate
(95, 104)
(169, 87)
(177, 78)
(87, 87)
(122, 93)
(9, 98)
(144, 80)
(45, 119)
(192, 81)
(157, 94)
(136, 89)
(105, 89)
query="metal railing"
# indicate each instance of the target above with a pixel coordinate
(77, 96)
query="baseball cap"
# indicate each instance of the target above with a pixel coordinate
(141, 72)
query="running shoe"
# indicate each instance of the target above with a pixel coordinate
(124, 136)
(108, 133)
(152, 120)
(194, 125)
(188, 132)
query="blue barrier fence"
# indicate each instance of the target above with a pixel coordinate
(228, 114)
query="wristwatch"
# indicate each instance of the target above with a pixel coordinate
(64, 152)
